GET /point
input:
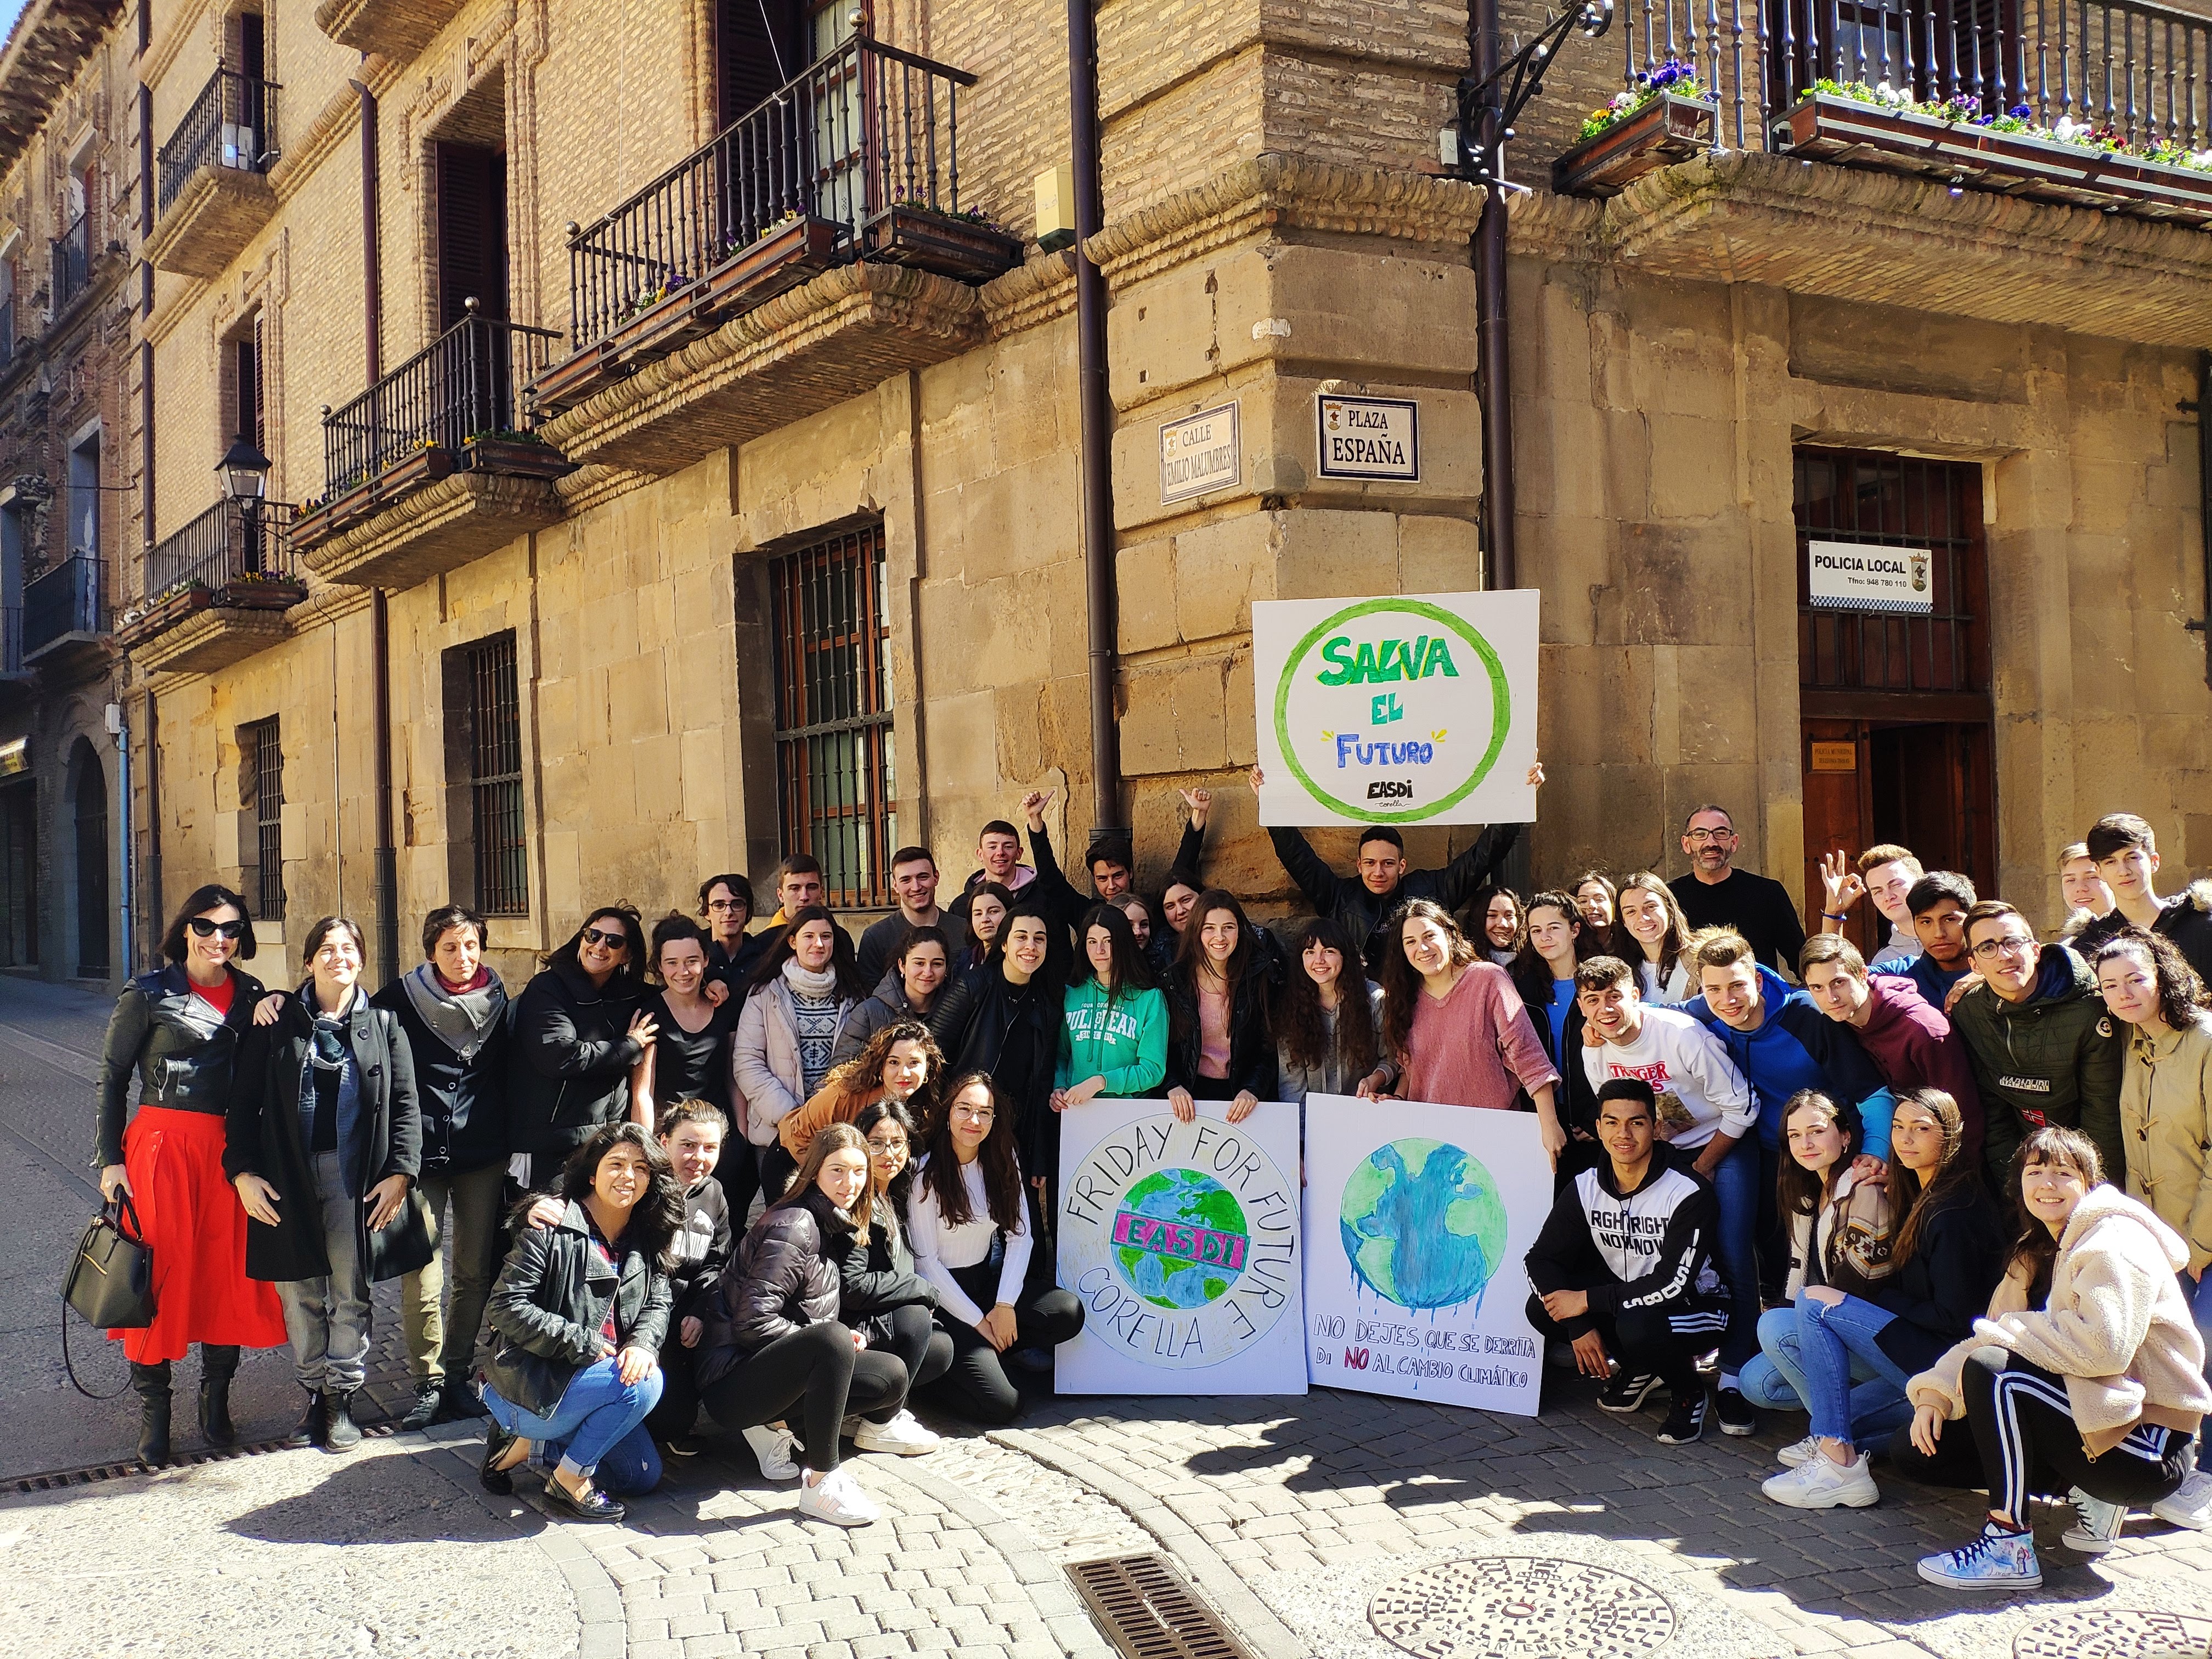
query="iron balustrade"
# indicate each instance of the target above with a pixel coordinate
(466, 382)
(69, 599)
(72, 261)
(223, 544)
(232, 124)
(2141, 71)
(867, 129)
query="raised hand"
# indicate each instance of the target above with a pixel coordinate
(1200, 801)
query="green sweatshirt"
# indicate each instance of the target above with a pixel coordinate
(1124, 1040)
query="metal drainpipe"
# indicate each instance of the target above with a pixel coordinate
(2204, 624)
(385, 898)
(125, 864)
(1492, 376)
(1098, 560)
(154, 906)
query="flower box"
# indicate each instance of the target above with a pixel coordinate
(574, 378)
(372, 495)
(1667, 128)
(260, 593)
(783, 258)
(1961, 153)
(953, 245)
(517, 456)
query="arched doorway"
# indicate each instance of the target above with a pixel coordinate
(89, 813)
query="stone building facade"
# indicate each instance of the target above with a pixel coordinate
(790, 555)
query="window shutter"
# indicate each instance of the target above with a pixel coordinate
(759, 43)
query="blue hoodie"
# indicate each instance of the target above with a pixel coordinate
(1798, 1047)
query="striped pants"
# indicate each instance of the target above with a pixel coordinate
(2029, 1442)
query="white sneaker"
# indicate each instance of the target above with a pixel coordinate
(2099, 1527)
(1804, 1451)
(773, 1446)
(903, 1436)
(1998, 1560)
(1818, 1484)
(836, 1499)
(2190, 1506)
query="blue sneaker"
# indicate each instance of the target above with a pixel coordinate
(1998, 1560)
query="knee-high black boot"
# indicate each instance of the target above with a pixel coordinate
(218, 1365)
(151, 1384)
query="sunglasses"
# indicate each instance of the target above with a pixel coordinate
(203, 928)
(617, 940)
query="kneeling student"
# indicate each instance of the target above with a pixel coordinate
(1624, 1267)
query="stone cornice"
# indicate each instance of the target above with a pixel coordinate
(1031, 294)
(595, 485)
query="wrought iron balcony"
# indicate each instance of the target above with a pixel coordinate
(223, 550)
(63, 606)
(72, 262)
(2097, 103)
(232, 124)
(217, 590)
(856, 157)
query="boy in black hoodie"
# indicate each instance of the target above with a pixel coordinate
(1623, 1270)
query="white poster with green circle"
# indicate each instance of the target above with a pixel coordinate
(1405, 708)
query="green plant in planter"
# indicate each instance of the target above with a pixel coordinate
(1672, 76)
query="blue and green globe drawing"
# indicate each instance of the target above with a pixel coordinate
(1180, 1239)
(1424, 1224)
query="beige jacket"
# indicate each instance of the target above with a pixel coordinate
(2166, 1126)
(2117, 1327)
(1853, 1230)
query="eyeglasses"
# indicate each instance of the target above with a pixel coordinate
(886, 1148)
(1699, 837)
(203, 928)
(727, 904)
(2011, 945)
(980, 1114)
(615, 941)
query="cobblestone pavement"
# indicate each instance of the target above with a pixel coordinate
(1338, 1526)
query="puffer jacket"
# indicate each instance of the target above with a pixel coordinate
(984, 1016)
(767, 1081)
(889, 1006)
(2165, 1124)
(550, 1302)
(570, 1058)
(784, 1277)
(2055, 1059)
(878, 1275)
(2115, 1325)
(182, 1054)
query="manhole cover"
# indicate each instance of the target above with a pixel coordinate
(2122, 1635)
(1519, 1606)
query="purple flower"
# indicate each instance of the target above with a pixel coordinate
(2020, 112)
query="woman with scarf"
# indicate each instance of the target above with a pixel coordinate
(323, 1140)
(452, 1008)
(807, 984)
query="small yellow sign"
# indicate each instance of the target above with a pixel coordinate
(1835, 757)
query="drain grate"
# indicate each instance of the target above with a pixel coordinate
(92, 1473)
(2119, 1633)
(1148, 1611)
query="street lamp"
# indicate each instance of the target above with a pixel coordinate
(245, 471)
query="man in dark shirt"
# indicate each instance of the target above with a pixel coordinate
(1714, 894)
(2126, 853)
(1939, 901)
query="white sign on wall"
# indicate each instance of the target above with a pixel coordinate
(1416, 708)
(1182, 1240)
(1368, 437)
(1416, 1286)
(1200, 453)
(1858, 576)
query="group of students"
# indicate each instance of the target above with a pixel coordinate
(1805, 1178)
(1974, 1179)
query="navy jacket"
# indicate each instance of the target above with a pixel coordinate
(1798, 1047)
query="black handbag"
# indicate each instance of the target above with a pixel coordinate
(110, 1281)
(404, 1244)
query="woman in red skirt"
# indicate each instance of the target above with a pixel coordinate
(178, 1029)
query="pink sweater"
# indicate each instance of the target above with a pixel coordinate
(1476, 1047)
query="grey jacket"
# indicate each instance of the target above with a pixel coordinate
(182, 1055)
(551, 1301)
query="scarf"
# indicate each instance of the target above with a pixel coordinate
(805, 984)
(461, 1019)
(327, 1045)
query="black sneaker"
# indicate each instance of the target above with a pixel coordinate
(428, 1396)
(1685, 1424)
(1626, 1394)
(460, 1403)
(314, 1427)
(1738, 1416)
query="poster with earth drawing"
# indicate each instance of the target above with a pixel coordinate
(1183, 1241)
(1417, 1218)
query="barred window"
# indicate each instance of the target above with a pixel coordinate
(502, 859)
(261, 796)
(833, 718)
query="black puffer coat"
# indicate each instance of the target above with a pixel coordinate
(783, 1279)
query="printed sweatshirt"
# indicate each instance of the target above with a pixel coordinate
(1795, 1047)
(1701, 1093)
(1645, 1248)
(1122, 1038)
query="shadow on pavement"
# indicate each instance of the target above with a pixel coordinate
(388, 1500)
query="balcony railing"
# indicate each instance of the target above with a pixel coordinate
(2123, 75)
(232, 124)
(221, 546)
(70, 599)
(864, 131)
(466, 382)
(72, 261)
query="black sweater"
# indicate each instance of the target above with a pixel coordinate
(568, 1068)
(1945, 1285)
(1759, 908)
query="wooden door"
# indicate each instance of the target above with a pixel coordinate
(1839, 809)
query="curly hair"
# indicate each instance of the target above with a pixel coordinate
(864, 1074)
(2181, 996)
(657, 1215)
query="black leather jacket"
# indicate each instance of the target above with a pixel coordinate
(182, 1054)
(551, 1301)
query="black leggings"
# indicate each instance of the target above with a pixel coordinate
(678, 1407)
(925, 1350)
(818, 1370)
(977, 1386)
(2029, 1441)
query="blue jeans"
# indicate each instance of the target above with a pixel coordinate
(1824, 1360)
(1737, 1185)
(596, 1420)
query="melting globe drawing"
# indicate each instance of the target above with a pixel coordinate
(1424, 1224)
(1181, 1239)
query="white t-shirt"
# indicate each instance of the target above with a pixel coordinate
(1674, 988)
(1700, 1091)
(939, 1248)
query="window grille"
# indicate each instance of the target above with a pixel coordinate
(503, 858)
(264, 749)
